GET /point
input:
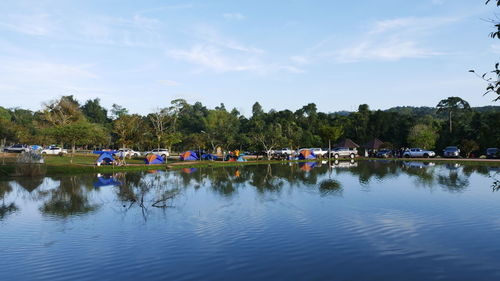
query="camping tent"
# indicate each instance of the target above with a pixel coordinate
(189, 156)
(236, 159)
(306, 154)
(106, 157)
(154, 159)
(209, 156)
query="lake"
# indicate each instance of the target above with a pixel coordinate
(367, 220)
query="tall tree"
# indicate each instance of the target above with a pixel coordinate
(452, 105)
(94, 112)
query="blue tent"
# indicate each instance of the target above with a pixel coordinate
(102, 181)
(154, 159)
(306, 154)
(106, 157)
(241, 159)
(189, 156)
(209, 156)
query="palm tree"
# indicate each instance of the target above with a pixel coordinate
(450, 105)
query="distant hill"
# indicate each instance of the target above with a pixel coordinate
(423, 110)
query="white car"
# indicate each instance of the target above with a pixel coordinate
(164, 153)
(284, 151)
(418, 153)
(54, 150)
(17, 148)
(127, 152)
(319, 152)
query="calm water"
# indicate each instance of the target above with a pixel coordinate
(355, 221)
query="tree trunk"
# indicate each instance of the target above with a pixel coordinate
(450, 123)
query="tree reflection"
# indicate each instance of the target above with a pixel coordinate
(454, 181)
(330, 187)
(6, 208)
(70, 198)
(145, 191)
(30, 183)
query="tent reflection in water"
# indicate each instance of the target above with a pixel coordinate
(307, 166)
(154, 159)
(306, 154)
(106, 181)
(189, 156)
(188, 170)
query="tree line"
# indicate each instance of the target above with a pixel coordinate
(181, 126)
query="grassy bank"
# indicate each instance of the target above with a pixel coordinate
(79, 164)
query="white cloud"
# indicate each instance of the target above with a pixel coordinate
(27, 81)
(385, 40)
(208, 34)
(300, 59)
(212, 58)
(219, 53)
(395, 39)
(233, 16)
(35, 24)
(395, 49)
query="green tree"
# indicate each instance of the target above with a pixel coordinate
(221, 128)
(422, 136)
(129, 129)
(62, 112)
(94, 112)
(468, 146)
(452, 105)
(80, 133)
(269, 136)
(117, 111)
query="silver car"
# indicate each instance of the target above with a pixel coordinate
(418, 153)
(451, 152)
(344, 152)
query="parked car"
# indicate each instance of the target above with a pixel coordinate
(419, 165)
(339, 152)
(384, 153)
(284, 151)
(492, 152)
(418, 153)
(451, 151)
(127, 152)
(17, 148)
(163, 152)
(319, 152)
(54, 150)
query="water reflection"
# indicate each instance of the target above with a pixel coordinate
(6, 208)
(316, 219)
(72, 195)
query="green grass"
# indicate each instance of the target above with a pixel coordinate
(80, 163)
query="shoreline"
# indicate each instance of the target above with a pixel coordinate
(8, 170)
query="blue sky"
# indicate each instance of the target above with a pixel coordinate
(284, 54)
